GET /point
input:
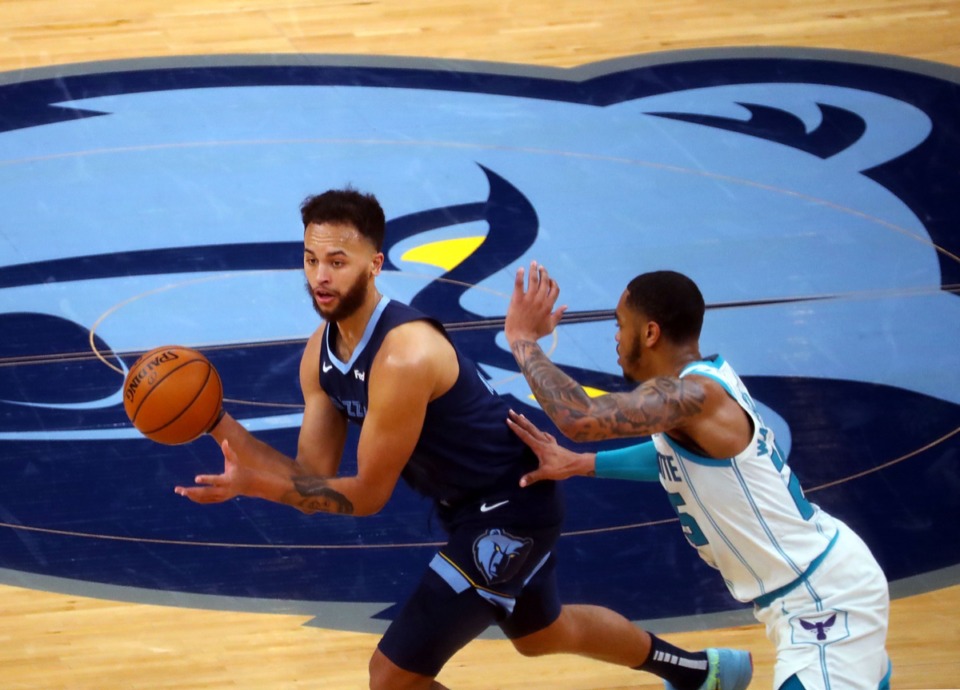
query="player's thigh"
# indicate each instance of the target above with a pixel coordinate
(537, 608)
(858, 662)
(434, 624)
(831, 632)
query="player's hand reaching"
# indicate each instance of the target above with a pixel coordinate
(530, 315)
(217, 488)
(556, 462)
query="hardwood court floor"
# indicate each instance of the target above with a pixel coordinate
(50, 641)
(562, 33)
(57, 642)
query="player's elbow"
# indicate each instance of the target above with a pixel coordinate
(370, 504)
(340, 507)
(576, 429)
(365, 509)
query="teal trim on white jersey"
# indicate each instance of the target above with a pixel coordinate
(768, 598)
(699, 459)
(710, 367)
(745, 515)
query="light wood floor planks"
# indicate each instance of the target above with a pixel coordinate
(59, 642)
(562, 33)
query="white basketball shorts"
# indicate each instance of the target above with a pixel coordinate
(830, 631)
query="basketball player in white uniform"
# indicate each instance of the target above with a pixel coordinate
(812, 580)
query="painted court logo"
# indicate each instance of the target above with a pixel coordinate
(768, 176)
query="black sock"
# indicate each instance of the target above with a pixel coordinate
(683, 670)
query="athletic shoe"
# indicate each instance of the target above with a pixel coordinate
(730, 669)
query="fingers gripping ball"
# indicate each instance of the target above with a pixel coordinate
(173, 395)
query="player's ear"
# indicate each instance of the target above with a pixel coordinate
(376, 264)
(650, 333)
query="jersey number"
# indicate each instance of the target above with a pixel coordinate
(691, 529)
(793, 484)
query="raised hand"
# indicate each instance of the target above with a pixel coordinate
(530, 315)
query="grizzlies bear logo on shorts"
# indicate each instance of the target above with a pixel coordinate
(500, 555)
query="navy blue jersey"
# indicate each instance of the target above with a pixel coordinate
(465, 450)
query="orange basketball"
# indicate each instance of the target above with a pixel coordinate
(173, 394)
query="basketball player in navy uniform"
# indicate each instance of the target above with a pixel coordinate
(812, 580)
(427, 415)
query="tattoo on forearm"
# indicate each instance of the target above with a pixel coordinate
(559, 395)
(657, 405)
(315, 495)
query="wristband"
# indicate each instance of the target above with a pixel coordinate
(638, 463)
(216, 422)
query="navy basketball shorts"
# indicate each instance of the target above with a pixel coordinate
(497, 568)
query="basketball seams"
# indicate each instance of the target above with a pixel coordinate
(189, 399)
(186, 408)
(156, 384)
(213, 375)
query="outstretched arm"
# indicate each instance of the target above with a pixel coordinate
(656, 405)
(255, 469)
(556, 462)
(636, 463)
(531, 316)
(414, 365)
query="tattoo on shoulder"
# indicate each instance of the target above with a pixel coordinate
(315, 495)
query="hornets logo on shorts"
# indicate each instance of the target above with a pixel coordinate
(826, 628)
(500, 555)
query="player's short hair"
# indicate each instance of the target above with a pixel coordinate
(670, 299)
(347, 206)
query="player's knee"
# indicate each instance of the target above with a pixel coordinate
(379, 674)
(531, 647)
(550, 640)
(382, 672)
(385, 675)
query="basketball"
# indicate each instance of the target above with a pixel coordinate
(173, 395)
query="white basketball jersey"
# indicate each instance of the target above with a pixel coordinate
(745, 515)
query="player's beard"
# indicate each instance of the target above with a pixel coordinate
(630, 359)
(349, 302)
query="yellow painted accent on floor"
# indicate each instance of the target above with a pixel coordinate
(447, 254)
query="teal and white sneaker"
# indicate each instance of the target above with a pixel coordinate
(730, 669)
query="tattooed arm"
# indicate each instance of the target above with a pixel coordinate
(255, 469)
(657, 405)
(415, 365)
(281, 482)
(308, 483)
